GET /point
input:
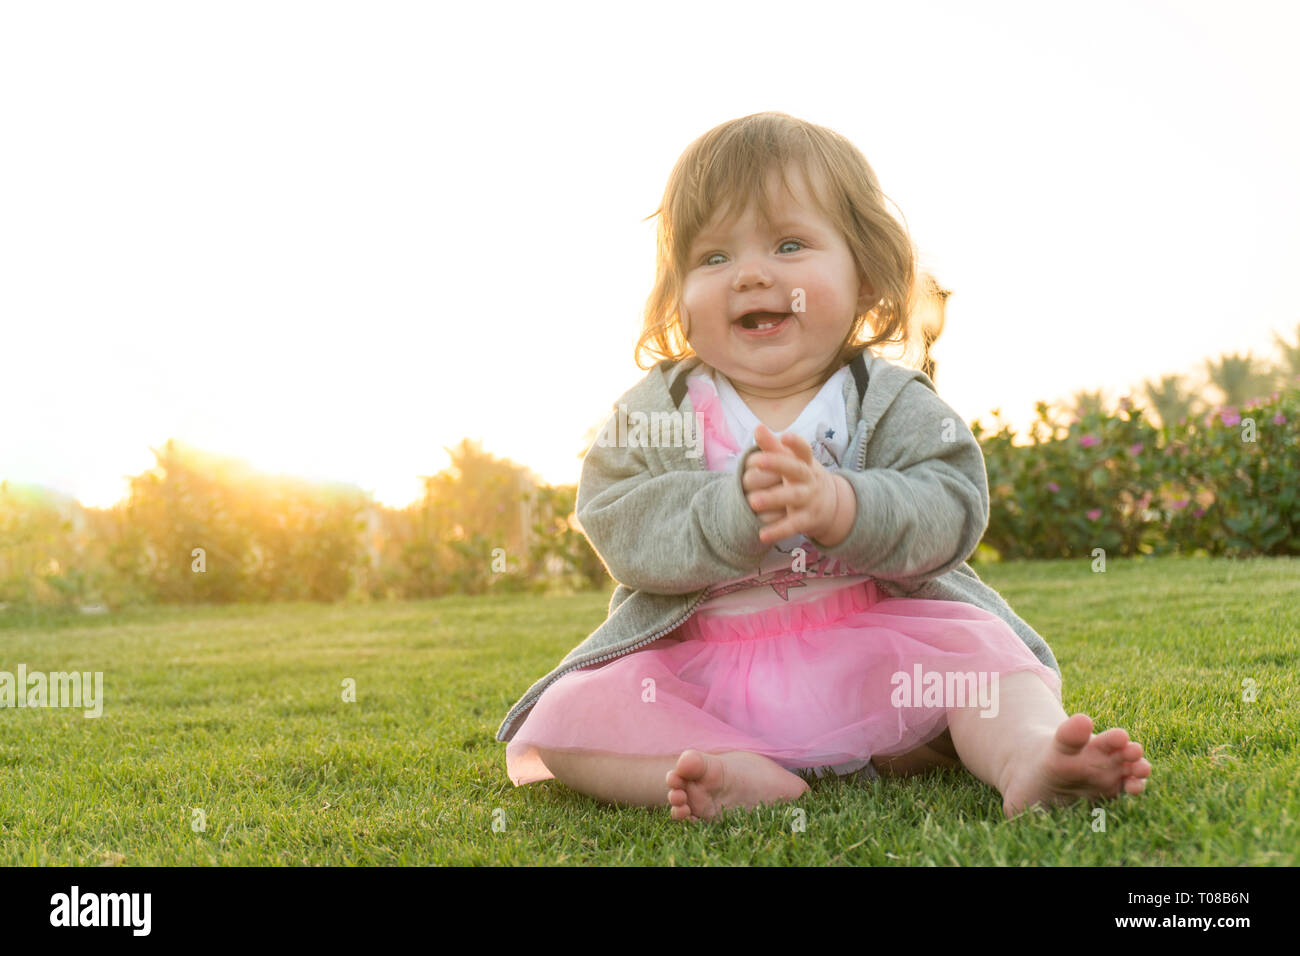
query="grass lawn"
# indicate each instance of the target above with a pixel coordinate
(238, 712)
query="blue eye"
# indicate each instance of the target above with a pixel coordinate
(705, 260)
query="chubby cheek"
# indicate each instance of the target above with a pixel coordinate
(702, 316)
(819, 296)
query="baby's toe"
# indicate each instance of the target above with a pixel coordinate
(1139, 768)
(1074, 732)
(1115, 739)
(690, 766)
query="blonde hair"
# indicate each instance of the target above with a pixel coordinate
(726, 168)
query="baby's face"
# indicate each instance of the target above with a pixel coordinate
(740, 266)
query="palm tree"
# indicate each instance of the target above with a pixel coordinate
(1169, 399)
(1086, 403)
(1290, 355)
(1239, 378)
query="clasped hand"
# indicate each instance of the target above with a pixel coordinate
(792, 493)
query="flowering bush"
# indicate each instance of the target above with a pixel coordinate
(1226, 483)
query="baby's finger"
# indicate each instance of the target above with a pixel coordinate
(785, 465)
(755, 478)
(777, 530)
(761, 503)
(788, 497)
(777, 497)
(797, 444)
(765, 440)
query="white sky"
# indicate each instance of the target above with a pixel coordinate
(331, 238)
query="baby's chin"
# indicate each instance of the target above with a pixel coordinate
(765, 373)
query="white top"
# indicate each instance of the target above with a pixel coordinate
(785, 576)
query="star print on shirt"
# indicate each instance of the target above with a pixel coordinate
(823, 453)
(821, 449)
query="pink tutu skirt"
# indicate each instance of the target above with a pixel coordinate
(806, 684)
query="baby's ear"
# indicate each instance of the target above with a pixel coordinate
(867, 295)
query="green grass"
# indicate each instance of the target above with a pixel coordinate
(237, 711)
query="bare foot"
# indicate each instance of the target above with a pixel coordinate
(703, 784)
(1075, 764)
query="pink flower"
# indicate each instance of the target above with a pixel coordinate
(1198, 512)
(1094, 514)
(1087, 441)
(1144, 500)
(1229, 416)
(1135, 450)
(1125, 403)
(1053, 487)
(1180, 503)
(1279, 419)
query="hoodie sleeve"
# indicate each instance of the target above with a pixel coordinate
(923, 498)
(666, 531)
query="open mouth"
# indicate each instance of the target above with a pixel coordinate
(763, 321)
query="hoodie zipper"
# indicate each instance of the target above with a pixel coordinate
(690, 610)
(862, 428)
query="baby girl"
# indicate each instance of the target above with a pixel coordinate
(797, 603)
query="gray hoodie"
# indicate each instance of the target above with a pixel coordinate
(668, 530)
